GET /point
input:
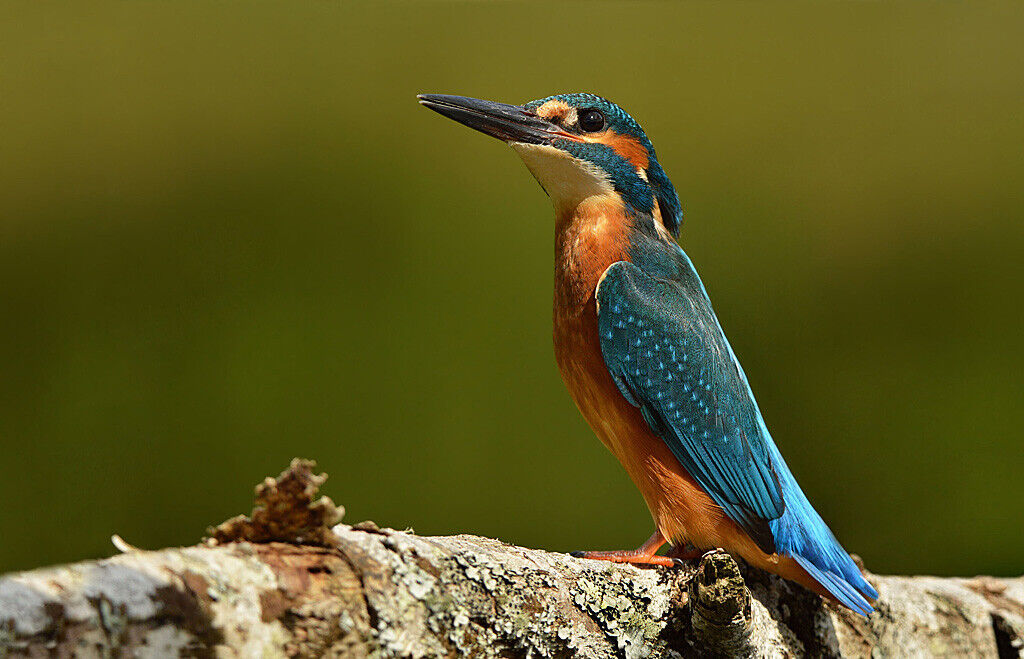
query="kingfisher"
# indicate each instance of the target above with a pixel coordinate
(644, 357)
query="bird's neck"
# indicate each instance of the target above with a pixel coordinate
(589, 237)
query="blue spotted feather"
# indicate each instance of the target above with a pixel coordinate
(666, 351)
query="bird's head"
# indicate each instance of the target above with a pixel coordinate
(578, 146)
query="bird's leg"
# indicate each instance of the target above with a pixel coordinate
(645, 554)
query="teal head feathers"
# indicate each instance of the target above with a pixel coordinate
(576, 145)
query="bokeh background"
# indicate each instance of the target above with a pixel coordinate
(229, 236)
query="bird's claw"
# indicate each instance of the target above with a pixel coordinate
(630, 557)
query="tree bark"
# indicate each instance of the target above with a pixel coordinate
(291, 581)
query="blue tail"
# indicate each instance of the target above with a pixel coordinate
(802, 534)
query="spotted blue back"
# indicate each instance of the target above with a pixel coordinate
(669, 357)
(666, 351)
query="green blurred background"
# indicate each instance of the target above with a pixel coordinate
(229, 236)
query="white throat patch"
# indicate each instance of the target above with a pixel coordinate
(567, 179)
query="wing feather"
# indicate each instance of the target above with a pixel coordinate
(666, 352)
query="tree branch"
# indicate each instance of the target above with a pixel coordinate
(362, 591)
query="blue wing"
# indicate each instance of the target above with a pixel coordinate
(669, 357)
(663, 346)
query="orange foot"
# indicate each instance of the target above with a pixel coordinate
(645, 554)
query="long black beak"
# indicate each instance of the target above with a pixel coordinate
(510, 123)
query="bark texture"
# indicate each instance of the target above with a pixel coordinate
(283, 582)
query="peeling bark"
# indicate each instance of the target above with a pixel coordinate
(361, 591)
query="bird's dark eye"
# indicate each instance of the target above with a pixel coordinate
(591, 120)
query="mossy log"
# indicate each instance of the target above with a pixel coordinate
(291, 581)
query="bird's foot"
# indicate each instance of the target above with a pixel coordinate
(627, 556)
(645, 554)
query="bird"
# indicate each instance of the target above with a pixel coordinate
(644, 356)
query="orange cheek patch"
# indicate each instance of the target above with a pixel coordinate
(627, 147)
(624, 145)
